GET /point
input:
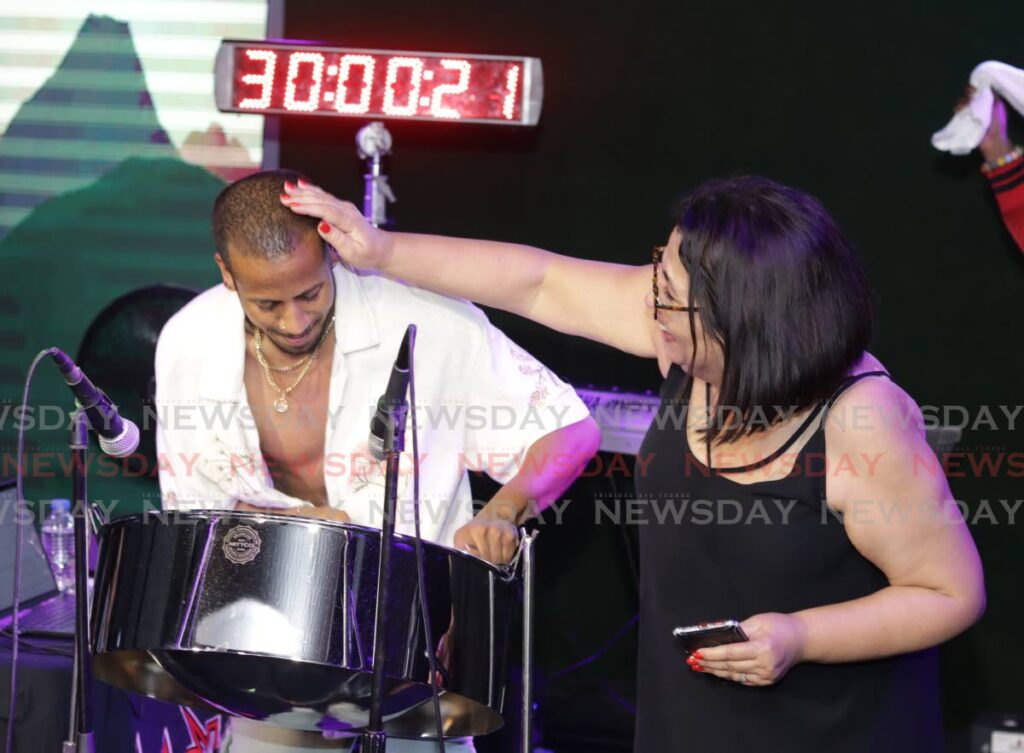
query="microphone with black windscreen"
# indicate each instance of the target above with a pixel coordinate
(392, 404)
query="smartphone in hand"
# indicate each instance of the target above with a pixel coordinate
(706, 634)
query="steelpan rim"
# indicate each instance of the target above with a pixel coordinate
(394, 726)
(260, 655)
(502, 571)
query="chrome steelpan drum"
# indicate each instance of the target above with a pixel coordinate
(270, 617)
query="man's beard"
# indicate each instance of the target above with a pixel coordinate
(306, 348)
(296, 350)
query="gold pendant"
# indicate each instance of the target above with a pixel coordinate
(281, 405)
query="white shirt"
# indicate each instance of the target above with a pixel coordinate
(482, 401)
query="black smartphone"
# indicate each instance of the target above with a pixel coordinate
(707, 634)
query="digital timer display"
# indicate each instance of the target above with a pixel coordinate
(293, 78)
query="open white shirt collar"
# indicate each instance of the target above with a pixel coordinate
(223, 365)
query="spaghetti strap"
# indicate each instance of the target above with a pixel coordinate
(777, 453)
(821, 408)
(850, 381)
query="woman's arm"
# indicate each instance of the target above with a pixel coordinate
(596, 300)
(899, 514)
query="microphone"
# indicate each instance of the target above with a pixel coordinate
(118, 436)
(391, 407)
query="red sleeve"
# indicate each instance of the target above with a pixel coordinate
(1008, 186)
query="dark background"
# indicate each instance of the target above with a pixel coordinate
(643, 101)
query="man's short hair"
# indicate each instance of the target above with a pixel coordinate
(248, 215)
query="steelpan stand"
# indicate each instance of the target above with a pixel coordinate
(526, 708)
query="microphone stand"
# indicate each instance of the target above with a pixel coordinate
(373, 739)
(82, 740)
(373, 141)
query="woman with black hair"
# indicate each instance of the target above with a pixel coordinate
(843, 553)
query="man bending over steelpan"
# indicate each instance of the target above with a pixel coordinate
(266, 385)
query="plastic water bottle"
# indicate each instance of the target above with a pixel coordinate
(58, 535)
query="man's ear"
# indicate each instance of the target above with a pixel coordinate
(225, 273)
(332, 254)
(334, 258)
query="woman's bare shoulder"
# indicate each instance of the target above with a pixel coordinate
(874, 409)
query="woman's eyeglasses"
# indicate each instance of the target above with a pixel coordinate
(659, 252)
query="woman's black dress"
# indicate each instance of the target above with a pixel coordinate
(713, 549)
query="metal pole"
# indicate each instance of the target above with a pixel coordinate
(373, 739)
(526, 745)
(82, 741)
(373, 200)
(373, 141)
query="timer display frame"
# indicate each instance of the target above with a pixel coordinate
(302, 78)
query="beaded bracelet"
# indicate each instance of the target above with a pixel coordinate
(1011, 156)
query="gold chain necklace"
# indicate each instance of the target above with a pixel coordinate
(279, 369)
(258, 341)
(281, 404)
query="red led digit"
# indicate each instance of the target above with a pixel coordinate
(312, 98)
(508, 107)
(265, 79)
(437, 108)
(348, 62)
(415, 66)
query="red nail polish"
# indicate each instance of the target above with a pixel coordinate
(698, 668)
(285, 197)
(698, 655)
(325, 228)
(289, 186)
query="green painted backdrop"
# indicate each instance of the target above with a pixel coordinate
(107, 173)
